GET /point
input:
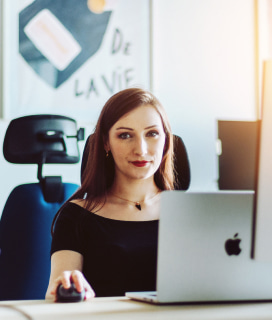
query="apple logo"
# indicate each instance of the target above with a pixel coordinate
(232, 246)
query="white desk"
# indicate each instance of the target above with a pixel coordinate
(123, 308)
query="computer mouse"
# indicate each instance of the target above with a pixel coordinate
(69, 295)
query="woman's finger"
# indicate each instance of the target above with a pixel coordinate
(82, 284)
(65, 279)
(78, 279)
(89, 293)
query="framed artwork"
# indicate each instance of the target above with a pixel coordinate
(68, 57)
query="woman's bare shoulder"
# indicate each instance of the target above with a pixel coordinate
(84, 204)
(79, 202)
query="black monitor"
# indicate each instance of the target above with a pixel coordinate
(238, 156)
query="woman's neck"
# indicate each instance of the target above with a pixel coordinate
(139, 190)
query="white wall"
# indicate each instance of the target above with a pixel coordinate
(203, 70)
(265, 35)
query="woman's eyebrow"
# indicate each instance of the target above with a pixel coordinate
(124, 128)
(130, 129)
(153, 126)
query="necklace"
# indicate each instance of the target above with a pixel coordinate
(137, 204)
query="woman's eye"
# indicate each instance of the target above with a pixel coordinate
(124, 135)
(152, 133)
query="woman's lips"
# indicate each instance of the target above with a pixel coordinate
(139, 163)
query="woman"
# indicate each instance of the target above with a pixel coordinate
(105, 236)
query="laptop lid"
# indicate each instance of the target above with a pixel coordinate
(204, 251)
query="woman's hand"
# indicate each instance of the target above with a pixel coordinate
(67, 260)
(77, 278)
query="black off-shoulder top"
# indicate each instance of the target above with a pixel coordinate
(118, 256)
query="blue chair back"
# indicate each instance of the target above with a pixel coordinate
(25, 242)
(25, 225)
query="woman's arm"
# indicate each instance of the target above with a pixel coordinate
(66, 266)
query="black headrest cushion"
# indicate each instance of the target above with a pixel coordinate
(51, 137)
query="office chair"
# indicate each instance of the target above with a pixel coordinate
(181, 162)
(25, 239)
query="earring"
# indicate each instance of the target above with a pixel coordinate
(107, 154)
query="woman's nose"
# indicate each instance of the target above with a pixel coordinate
(140, 146)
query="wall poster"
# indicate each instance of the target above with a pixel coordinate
(68, 57)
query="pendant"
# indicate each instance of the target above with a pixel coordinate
(138, 206)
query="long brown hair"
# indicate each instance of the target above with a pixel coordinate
(99, 172)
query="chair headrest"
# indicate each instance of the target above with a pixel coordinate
(39, 139)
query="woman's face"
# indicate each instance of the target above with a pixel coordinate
(136, 142)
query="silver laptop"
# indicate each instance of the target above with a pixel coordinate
(204, 250)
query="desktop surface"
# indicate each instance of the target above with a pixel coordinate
(124, 308)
